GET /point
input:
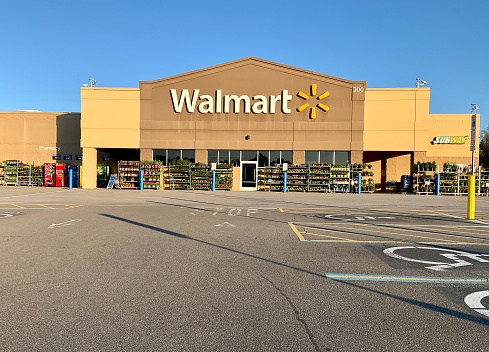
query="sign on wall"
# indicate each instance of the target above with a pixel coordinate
(449, 140)
(217, 102)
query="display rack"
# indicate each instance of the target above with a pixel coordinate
(319, 177)
(23, 175)
(128, 173)
(368, 184)
(179, 176)
(483, 188)
(224, 177)
(271, 178)
(424, 182)
(200, 177)
(297, 178)
(449, 180)
(151, 174)
(10, 172)
(1, 174)
(340, 178)
(463, 184)
(37, 176)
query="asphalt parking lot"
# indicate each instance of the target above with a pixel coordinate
(111, 270)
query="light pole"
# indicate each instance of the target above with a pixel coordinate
(471, 191)
(473, 130)
(420, 82)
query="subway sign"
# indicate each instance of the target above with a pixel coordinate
(449, 140)
(194, 101)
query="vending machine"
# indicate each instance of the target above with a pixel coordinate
(76, 175)
(103, 176)
(49, 175)
(61, 175)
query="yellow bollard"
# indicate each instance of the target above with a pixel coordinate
(471, 199)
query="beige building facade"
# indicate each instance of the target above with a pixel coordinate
(249, 110)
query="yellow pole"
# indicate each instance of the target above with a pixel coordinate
(471, 198)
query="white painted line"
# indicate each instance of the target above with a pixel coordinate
(66, 223)
(225, 224)
(474, 301)
(453, 255)
(419, 279)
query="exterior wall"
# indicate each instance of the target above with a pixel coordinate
(164, 127)
(389, 128)
(398, 124)
(110, 121)
(452, 126)
(33, 137)
(89, 168)
(110, 118)
(396, 119)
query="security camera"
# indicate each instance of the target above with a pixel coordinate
(424, 82)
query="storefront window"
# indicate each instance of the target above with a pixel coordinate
(224, 156)
(286, 157)
(263, 159)
(312, 157)
(160, 155)
(327, 157)
(274, 157)
(188, 154)
(235, 159)
(212, 156)
(342, 158)
(173, 155)
(248, 155)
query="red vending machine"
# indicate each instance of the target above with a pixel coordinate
(49, 175)
(61, 175)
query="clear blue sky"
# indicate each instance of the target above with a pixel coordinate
(48, 49)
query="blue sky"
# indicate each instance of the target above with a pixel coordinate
(50, 48)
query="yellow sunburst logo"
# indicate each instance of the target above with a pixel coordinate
(312, 111)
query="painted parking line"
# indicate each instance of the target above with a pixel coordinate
(390, 233)
(416, 279)
(10, 206)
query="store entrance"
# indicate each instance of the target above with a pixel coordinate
(249, 175)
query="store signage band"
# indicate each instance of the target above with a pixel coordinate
(449, 140)
(257, 104)
(222, 103)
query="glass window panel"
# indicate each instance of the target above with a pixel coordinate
(173, 155)
(263, 158)
(342, 158)
(312, 157)
(160, 155)
(235, 160)
(189, 154)
(248, 155)
(274, 157)
(287, 157)
(212, 156)
(224, 156)
(326, 157)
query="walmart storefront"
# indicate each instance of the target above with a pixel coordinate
(256, 111)
(259, 113)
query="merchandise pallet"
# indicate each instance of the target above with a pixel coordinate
(179, 177)
(151, 174)
(128, 173)
(270, 179)
(224, 177)
(200, 177)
